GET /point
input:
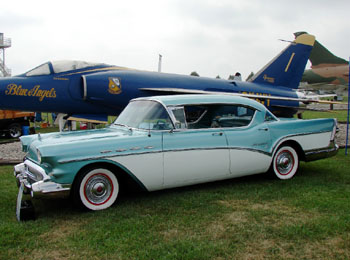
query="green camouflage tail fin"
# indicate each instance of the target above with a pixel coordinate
(321, 55)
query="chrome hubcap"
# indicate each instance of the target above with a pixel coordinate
(98, 189)
(284, 163)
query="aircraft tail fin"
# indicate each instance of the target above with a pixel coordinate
(321, 55)
(287, 68)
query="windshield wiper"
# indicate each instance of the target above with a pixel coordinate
(121, 125)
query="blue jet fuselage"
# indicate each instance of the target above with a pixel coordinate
(91, 92)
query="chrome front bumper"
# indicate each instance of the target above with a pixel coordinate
(37, 183)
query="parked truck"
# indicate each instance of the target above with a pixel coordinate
(11, 122)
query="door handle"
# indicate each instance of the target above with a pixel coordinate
(263, 129)
(217, 134)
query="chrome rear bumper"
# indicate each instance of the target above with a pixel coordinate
(329, 151)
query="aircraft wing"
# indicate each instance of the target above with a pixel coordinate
(315, 96)
(98, 119)
(195, 91)
(322, 86)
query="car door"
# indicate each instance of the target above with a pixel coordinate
(249, 142)
(194, 156)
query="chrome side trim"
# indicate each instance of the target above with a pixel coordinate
(135, 148)
(164, 151)
(105, 156)
(107, 151)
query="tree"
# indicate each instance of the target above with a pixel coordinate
(194, 73)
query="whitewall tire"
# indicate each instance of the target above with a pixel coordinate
(285, 163)
(97, 189)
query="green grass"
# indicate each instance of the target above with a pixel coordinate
(245, 218)
(341, 115)
(345, 99)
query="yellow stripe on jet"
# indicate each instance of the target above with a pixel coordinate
(289, 62)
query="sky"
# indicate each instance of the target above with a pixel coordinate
(211, 37)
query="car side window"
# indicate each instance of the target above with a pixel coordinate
(179, 115)
(214, 116)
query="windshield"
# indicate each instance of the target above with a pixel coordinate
(43, 69)
(144, 114)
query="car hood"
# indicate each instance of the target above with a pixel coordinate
(73, 136)
(80, 143)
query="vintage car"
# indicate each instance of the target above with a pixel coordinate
(170, 141)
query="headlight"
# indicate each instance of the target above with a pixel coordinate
(38, 154)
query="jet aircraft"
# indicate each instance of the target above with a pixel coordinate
(90, 92)
(326, 68)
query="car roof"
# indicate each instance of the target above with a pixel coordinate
(188, 99)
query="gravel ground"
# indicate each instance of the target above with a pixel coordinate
(319, 106)
(11, 152)
(341, 135)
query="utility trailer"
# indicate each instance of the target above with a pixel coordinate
(11, 122)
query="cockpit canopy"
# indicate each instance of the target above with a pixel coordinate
(61, 66)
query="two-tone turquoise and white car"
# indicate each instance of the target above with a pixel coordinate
(171, 141)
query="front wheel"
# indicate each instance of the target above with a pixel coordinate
(96, 189)
(285, 163)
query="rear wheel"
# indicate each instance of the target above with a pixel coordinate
(96, 189)
(285, 163)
